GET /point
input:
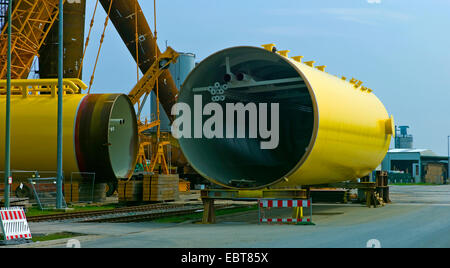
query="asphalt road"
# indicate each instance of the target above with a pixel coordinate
(419, 217)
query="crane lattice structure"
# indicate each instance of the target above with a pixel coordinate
(31, 22)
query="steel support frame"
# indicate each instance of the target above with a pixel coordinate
(59, 164)
(380, 186)
(8, 111)
(210, 195)
(448, 159)
(252, 84)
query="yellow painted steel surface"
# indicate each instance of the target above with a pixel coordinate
(100, 130)
(352, 131)
(33, 132)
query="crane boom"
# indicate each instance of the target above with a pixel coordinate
(123, 17)
(148, 81)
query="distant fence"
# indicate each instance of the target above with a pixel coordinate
(80, 187)
(44, 190)
(21, 187)
(39, 188)
(394, 178)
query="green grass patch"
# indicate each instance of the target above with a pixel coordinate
(199, 215)
(35, 211)
(306, 223)
(51, 237)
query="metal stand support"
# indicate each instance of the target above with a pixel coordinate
(209, 195)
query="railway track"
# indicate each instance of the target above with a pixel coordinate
(98, 213)
(144, 217)
(153, 215)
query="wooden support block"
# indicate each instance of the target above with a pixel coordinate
(130, 191)
(209, 214)
(161, 188)
(71, 192)
(370, 198)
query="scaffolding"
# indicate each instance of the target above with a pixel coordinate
(31, 22)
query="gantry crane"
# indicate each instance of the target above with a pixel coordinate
(143, 89)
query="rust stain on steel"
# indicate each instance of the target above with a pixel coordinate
(123, 17)
(74, 22)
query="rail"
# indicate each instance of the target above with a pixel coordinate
(155, 215)
(33, 87)
(96, 213)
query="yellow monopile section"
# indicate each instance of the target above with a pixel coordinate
(99, 130)
(330, 130)
(33, 132)
(353, 130)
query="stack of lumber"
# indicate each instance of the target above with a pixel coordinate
(161, 187)
(184, 186)
(71, 193)
(130, 191)
(434, 174)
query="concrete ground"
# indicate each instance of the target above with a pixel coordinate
(419, 217)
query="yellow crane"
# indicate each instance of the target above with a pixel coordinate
(31, 23)
(33, 20)
(143, 89)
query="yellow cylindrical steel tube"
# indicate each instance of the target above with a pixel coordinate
(330, 130)
(100, 134)
(353, 130)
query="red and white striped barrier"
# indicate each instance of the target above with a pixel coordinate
(285, 203)
(284, 220)
(14, 224)
(266, 205)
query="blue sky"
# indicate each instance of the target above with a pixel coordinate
(399, 48)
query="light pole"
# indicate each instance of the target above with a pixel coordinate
(448, 163)
(8, 111)
(59, 176)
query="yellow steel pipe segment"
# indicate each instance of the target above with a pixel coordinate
(330, 130)
(100, 134)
